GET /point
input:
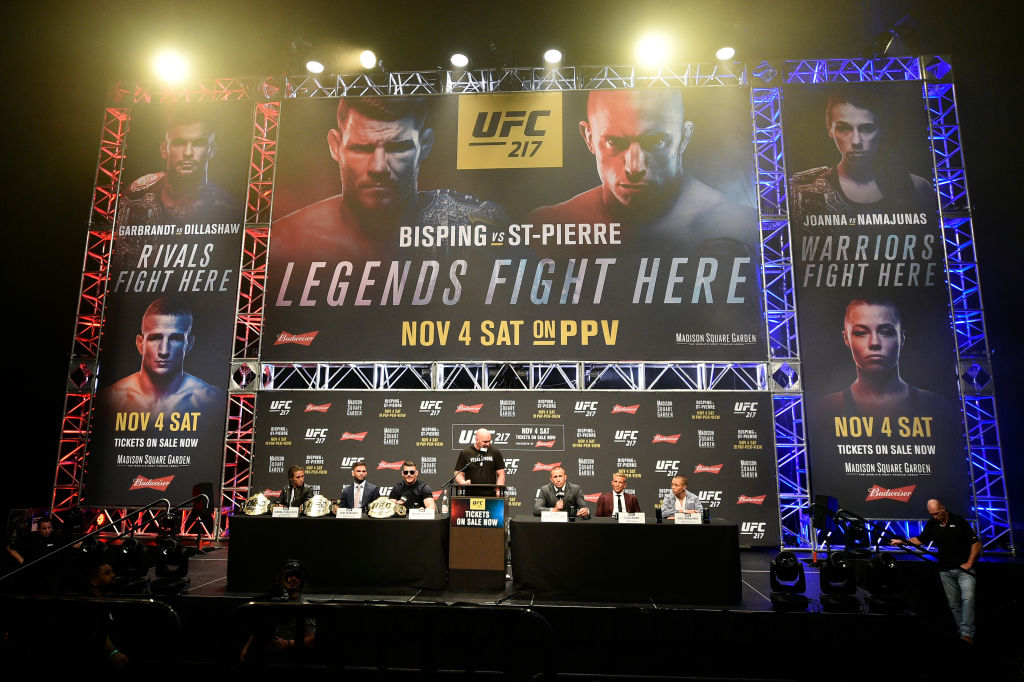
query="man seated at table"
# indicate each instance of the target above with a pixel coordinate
(617, 501)
(559, 495)
(680, 500)
(360, 493)
(412, 492)
(297, 492)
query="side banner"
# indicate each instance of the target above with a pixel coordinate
(883, 426)
(158, 418)
(614, 225)
(722, 441)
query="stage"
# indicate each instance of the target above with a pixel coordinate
(382, 631)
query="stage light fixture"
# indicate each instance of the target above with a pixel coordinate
(724, 53)
(788, 583)
(653, 49)
(459, 60)
(171, 562)
(170, 66)
(838, 584)
(313, 66)
(884, 585)
(367, 59)
(553, 56)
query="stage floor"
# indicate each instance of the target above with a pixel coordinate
(619, 640)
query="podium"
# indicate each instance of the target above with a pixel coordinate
(476, 537)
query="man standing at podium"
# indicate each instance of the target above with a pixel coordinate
(559, 495)
(618, 501)
(479, 462)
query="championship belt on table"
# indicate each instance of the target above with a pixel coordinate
(385, 508)
(318, 505)
(256, 505)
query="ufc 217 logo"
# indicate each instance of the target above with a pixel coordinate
(499, 124)
(281, 407)
(316, 435)
(431, 407)
(627, 438)
(755, 529)
(748, 410)
(712, 498)
(586, 407)
(514, 130)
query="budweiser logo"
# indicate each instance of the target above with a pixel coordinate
(759, 499)
(544, 444)
(468, 408)
(658, 438)
(301, 339)
(703, 469)
(390, 465)
(272, 493)
(628, 409)
(143, 483)
(436, 494)
(540, 466)
(877, 492)
(592, 498)
(353, 436)
(318, 408)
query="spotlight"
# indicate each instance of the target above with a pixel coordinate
(838, 585)
(858, 540)
(167, 524)
(788, 583)
(132, 567)
(724, 53)
(367, 59)
(553, 56)
(171, 568)
(884, 585)
(313, 66)
(653, 49)
(170, 66)
(459, 60)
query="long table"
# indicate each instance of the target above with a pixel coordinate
(339, 554)
(600, 558)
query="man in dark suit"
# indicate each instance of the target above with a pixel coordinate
(611, 504)
(361, 492)
(559, 495)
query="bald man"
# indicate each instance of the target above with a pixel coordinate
(638, 138)
(479, 462)
(959, 548)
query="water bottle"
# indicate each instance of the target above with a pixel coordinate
(444, 502)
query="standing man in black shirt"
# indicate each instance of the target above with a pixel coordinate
(412, 492)
(959, 548)
(486, 465)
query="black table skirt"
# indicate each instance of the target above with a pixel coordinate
(600, 558)
(338, 554)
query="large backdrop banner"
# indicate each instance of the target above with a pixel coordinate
(722, 441)
(611, 225)
(158, 420)
(884, 428)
